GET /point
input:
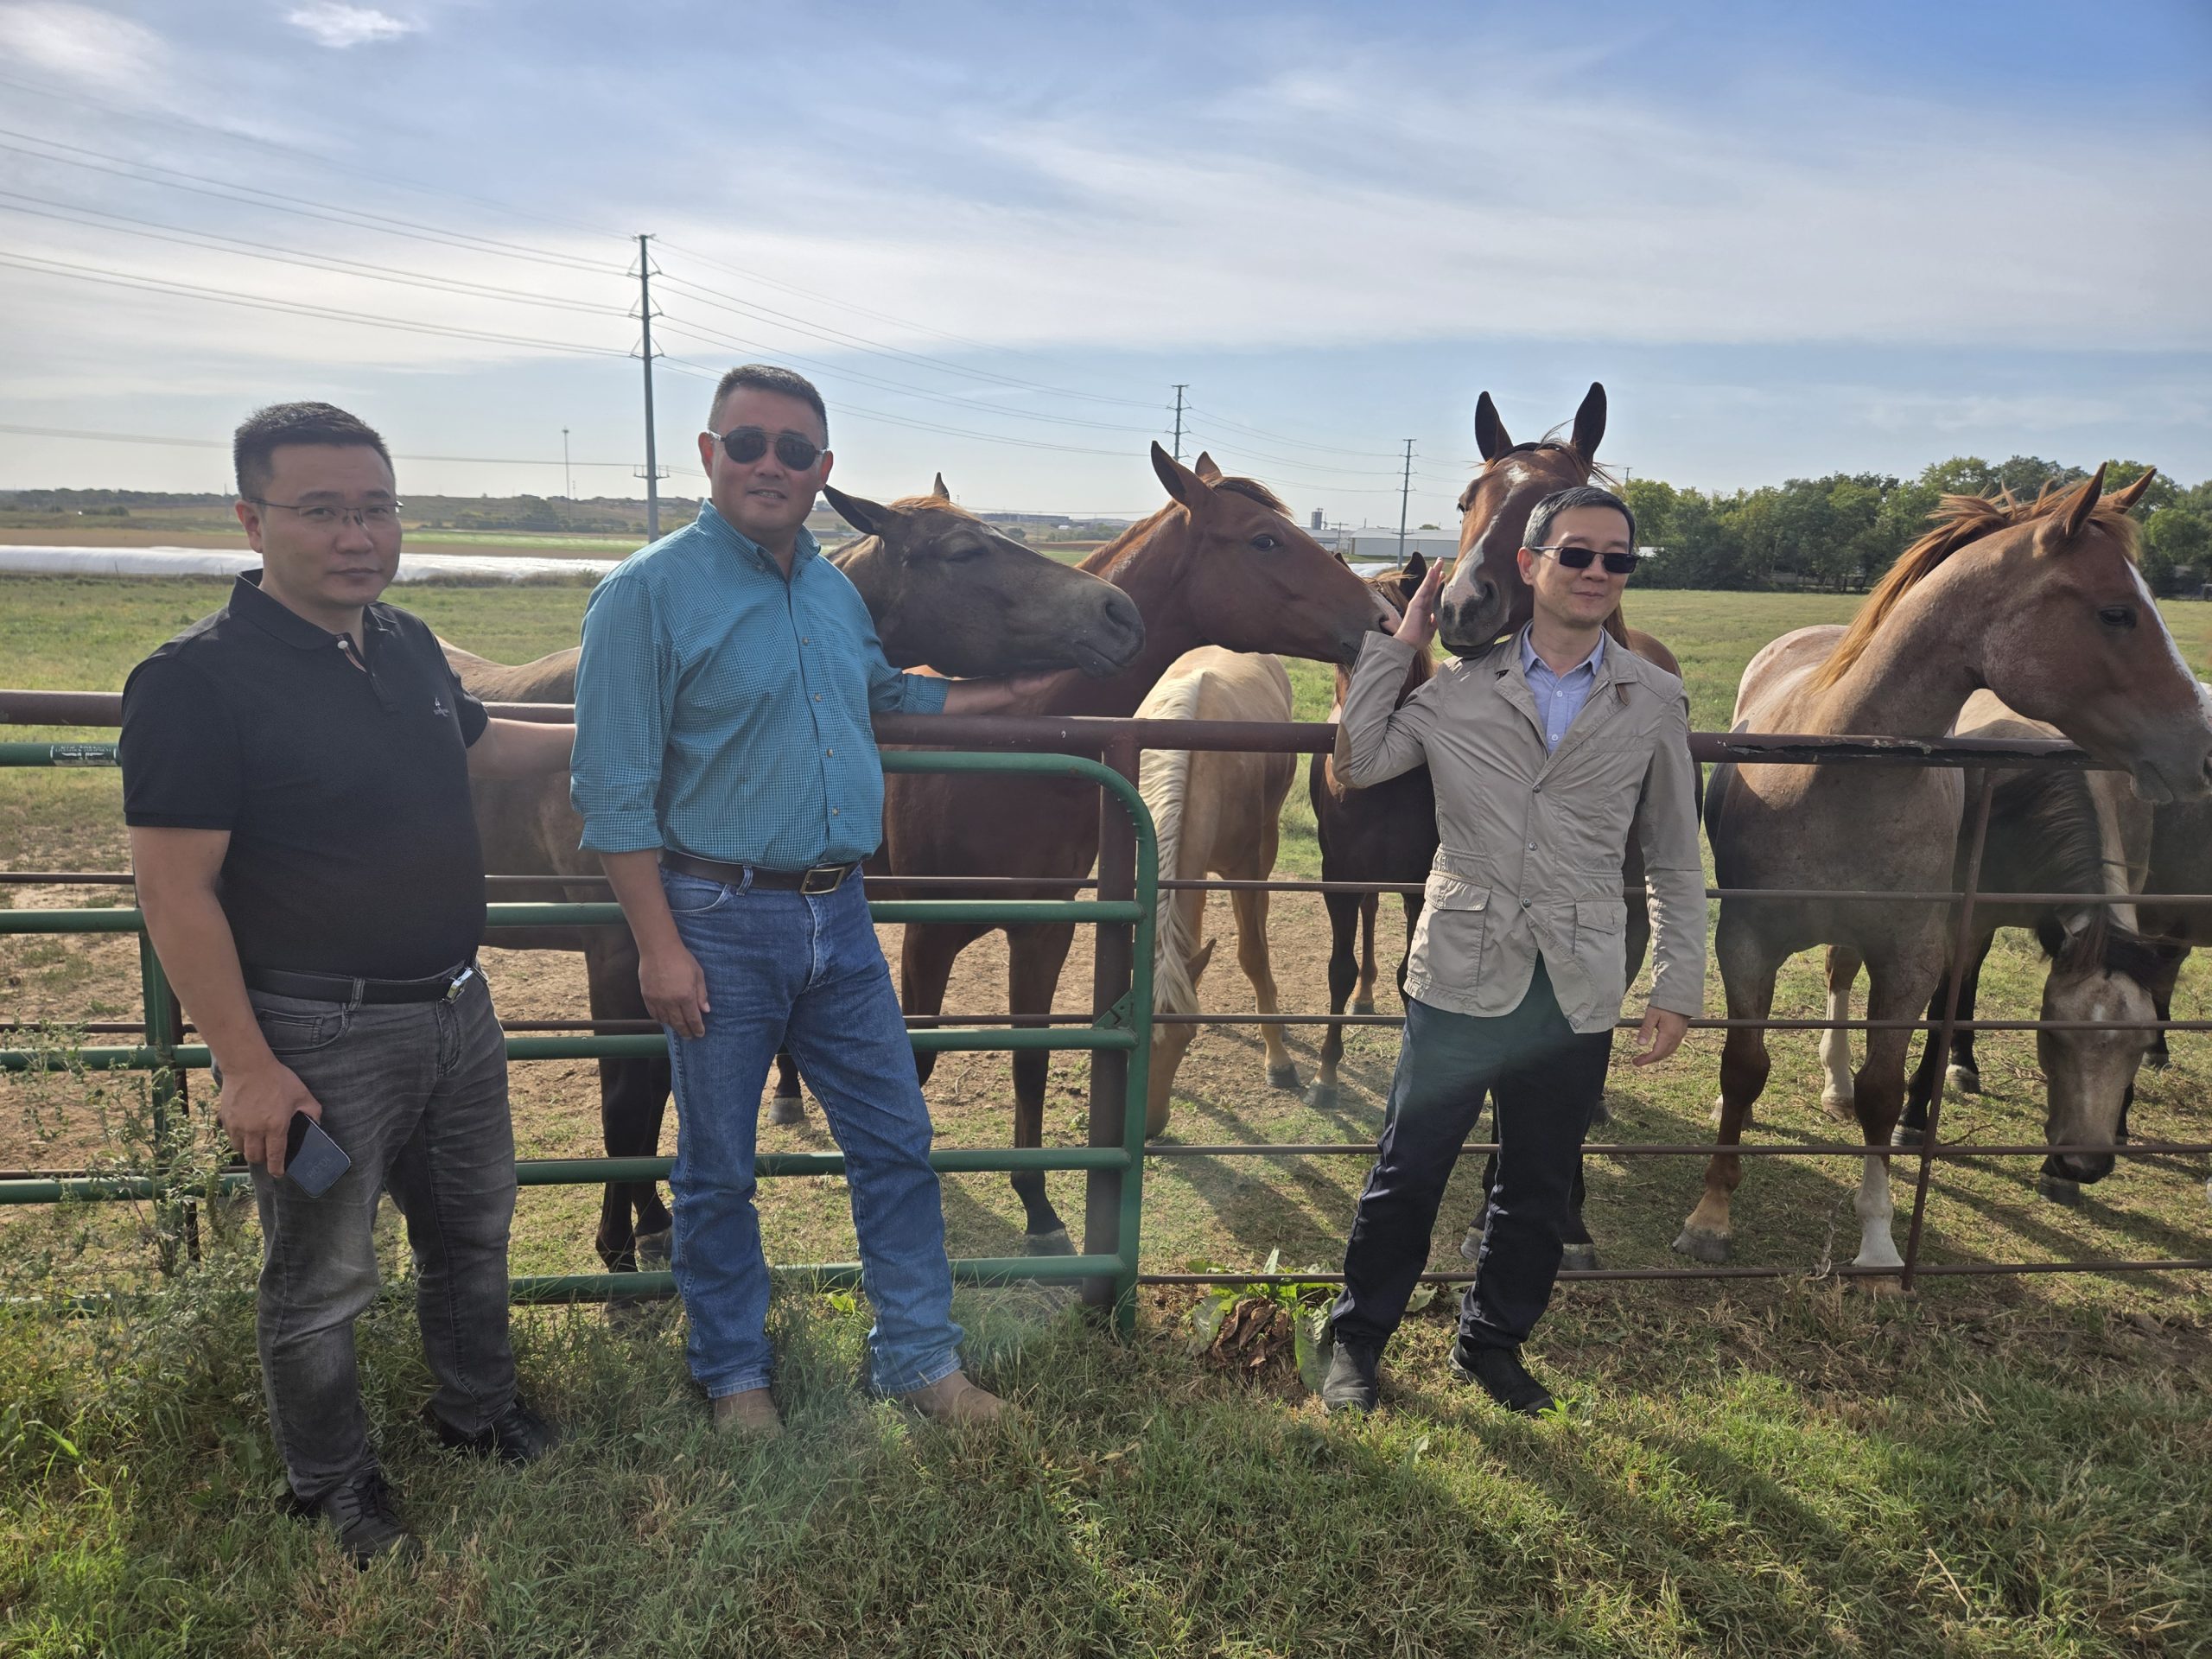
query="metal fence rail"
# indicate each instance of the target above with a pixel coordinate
(1121, 980)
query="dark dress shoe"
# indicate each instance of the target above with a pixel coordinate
(1350, 1384)
(363, 1515)
(1500, 1374)
(516, 1435)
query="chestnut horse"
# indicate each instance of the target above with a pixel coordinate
(1221, 564)
(2044, 605)
(941, 587)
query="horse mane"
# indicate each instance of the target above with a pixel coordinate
(1598, 473)
(2053, 818)
(2104, 946)
(1959, 521)
(1164, 781)
(933, 503)
(1102, 560)
(1253, 490)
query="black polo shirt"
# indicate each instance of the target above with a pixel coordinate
(352, 848)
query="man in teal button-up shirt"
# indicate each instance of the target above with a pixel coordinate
(728, 780)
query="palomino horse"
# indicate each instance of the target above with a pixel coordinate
(1221, 564)
(2049, 832)
(933, 572)
(2044, 606)
(1219, 814)
(1385, 832)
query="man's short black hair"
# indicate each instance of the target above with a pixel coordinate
(766, 376)
(1582, 495)
(268, 430)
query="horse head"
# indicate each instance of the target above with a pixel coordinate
(1486, 598)
(948, 590)
(2101, 971)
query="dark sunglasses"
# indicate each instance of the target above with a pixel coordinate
(747, 444)
(1578, 558)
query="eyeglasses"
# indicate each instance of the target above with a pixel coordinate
(378, 515)
(747, 444)
(1578, 558)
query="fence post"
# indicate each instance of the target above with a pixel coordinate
(1961, 932)
(1111, 978)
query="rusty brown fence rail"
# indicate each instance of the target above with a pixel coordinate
(1119, 742)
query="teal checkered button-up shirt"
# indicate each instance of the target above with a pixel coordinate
(723, 712)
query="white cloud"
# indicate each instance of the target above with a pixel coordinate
(82, 44)
(338, 26)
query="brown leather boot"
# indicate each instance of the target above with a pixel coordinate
(750, 1415)
(956, 1403)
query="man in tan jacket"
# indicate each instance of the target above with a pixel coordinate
(1548, 751)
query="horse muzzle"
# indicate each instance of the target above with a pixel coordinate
(2065, 1174)
(1467, 624)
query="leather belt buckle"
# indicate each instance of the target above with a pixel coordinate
(824, 878)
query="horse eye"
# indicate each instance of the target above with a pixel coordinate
(1265, 542)
(2117, 616)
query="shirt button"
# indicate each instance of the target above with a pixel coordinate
(828, 751)
(1532, 846)
(818, 696)
(833, 811)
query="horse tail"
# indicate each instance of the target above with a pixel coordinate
(1164, 780)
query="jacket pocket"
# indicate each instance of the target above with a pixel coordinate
(1454, 922)
(1601, 948)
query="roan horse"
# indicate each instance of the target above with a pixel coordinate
(1216, 813)
(1383, 833)
(2044, 606)
(941, 587)
(1221, 564)
(2050, 831)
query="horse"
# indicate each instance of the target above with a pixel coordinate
(2050, 831)
(2043, 604)
(941, 585)
(1221, 563)
(2181, 862)
(1216, 813)
(1385, 833)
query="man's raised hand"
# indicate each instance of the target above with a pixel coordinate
(1418, 627)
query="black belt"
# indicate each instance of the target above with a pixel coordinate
(337, 987)
(823, 878)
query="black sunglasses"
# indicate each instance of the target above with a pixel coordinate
(1578, 558)
(747, 444)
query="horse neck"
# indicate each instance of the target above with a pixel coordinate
(1146, 562)
(1916, 674)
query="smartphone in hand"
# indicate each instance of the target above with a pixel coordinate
(313, 1162)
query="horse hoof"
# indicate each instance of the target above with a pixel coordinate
(1964, 1079)
(1322, 1096)
(1905, 1134)
(1284, 1075)
(1875, 1284)
(2158, 1059)
(786, 1110)
(1055, 1243)
(1702, 1246)
(655, 1250)
(1579, 1258)
(2059, 1190)
(1838, 1106)
(1603, 1114)
(1362, 1007)
(1471, 1246)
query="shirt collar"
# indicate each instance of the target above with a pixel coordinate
(272, 616)
(1594, 661)
(710, 520)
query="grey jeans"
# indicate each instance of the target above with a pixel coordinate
(416, 1093)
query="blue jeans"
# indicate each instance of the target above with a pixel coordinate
(788, 969)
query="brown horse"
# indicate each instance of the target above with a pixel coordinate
(2044, 606)
(1386, 833)
(1221, 564)
(927, 572)
(1221, 814)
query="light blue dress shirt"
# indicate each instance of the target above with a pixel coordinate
(723, 712)
(1559, 697)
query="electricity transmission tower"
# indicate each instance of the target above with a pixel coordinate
(653, 472)
(1181, 386)
(1405, 490)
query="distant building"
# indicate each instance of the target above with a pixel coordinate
(1365, 543)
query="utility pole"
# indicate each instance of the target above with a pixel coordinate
(568, 479)
(1405, 490)
(646, 349)
(1181, 386)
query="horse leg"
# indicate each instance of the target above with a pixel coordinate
(926, 953)
(2162, 1002)
(632, 1099)
(1748, 974)
(1034, 958)
(786, 1106)
(1251, 910)
(1637, 938)
(1343, 972)
(1362, 1000)
(1895, 990)
(1963, 1074)
(1835, 1041)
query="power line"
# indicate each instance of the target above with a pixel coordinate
(224, 443)
(1295, 443)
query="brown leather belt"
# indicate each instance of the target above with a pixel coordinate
(823, 878)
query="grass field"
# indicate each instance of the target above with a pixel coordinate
(1994, 1466)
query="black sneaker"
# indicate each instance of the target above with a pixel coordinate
(516, 1435)
(366, 1519)
(1350, 1384)
(1501, 1374)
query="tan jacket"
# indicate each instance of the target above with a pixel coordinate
(1531, 842)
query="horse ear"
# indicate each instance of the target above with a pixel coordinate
(869, 517)
(937, 488)
(1206, 467)
(1590, 422)
(2129, 497)
(1416, 568)
(1182, 483)
(1489, 431)
(2074, 512)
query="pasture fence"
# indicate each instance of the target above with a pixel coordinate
(1116, 1033)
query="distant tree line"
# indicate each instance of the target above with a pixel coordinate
(1844, 530)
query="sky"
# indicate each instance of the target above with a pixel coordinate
(1790, 240)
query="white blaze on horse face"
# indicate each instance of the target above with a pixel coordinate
(1876, 1248)
(2165, 633)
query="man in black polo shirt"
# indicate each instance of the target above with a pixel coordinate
(295, 778)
